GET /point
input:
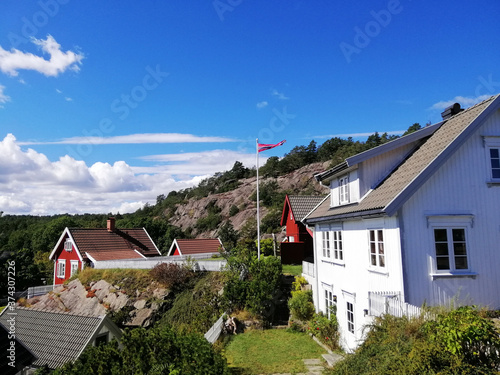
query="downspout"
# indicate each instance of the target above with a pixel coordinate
(404, 271)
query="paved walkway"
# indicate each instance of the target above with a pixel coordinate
(316, 367)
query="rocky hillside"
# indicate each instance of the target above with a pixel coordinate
(301, 181)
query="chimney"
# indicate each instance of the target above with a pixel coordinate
(451, 110)
(111, 224)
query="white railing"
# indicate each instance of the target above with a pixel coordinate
(39, 290)
(213, 333)
(308, 268)
(148, 263)
(391, 303)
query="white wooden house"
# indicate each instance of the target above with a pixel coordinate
(414, 221)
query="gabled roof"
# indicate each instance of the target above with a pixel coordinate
(195, 246)
(56, 337)
(22, 355)
(101, 244)
(408, 176)
(300, 205)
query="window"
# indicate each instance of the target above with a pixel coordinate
(330, 302)
(451, 249)
(68, 246)
(102, 339)
(377, 252)
(74, 267)
(495, 163)
(350, 317)
(344, 189)
(61, 268)
(326, 243)
(337, 245)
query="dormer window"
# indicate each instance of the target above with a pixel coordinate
(68, 246)
(344, 189)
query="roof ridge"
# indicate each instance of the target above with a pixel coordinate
(55, 311)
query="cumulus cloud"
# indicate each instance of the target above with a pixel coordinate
(137, 139)
(262, 104)
(14, 60)
(30, 183)
(3, 98)
(464, 101)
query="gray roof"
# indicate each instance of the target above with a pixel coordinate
(23, 356)
(405, 179)
(54, 337)
(301, 205)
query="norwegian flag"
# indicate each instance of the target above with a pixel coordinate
(263, 147)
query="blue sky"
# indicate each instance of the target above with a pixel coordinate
(105, 105)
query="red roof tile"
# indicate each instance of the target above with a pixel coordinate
(198, 246)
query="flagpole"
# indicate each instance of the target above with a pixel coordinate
(258, 216)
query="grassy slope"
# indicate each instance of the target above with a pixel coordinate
(271, 351)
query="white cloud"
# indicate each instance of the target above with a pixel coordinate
(137, 139)
(58, 91)
(464, 101)
(68, 99)
(262, 104)
(279, 95)
(14, 60)
(32, 184)
(3, 98)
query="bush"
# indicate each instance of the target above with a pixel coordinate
(233, 210)
(301, 305)
(326, 330)
(171, 275)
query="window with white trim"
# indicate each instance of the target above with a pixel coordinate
(68, 246)
(344, 189)
(376, 245)
(494, 154)
(338, 253)
(61, 268)
(330, 302)
(451, 249)
(74, 267)
(350, 317)
(325, 239)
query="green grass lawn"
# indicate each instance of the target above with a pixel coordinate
(292, 269)
(270, 352)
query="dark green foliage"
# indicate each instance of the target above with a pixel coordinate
(160, 350)
(228, 235)
(171, 275)
(196, 308)
(416, 126)
(251, 283)
(456, 342)
(301, 305)
(233, 210)
(325, 329)
(271, 222)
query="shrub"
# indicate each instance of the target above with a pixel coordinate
(233, 210)
(326, 330)
(301, 305)
(171, 275)
(299, 282)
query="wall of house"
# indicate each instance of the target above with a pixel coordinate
(68, 256)
(458, 187)
(350, 280)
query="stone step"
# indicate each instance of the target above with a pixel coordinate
(332, 358)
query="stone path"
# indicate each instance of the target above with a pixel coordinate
(315, 366)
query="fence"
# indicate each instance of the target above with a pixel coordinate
(148, 263)
(392, 304)
(213, 333)
(308, 268)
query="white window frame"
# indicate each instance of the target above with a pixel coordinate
(492, 143)
(450, 247)
(326, 243)
(338, 249)
(376, 248)
(330, 301)
(61, 268)
(68, 245)
(350, 317)
(74, 267)
(343, 184)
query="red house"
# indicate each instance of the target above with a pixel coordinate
(79, 247)
(299, 242)
(208, 246)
